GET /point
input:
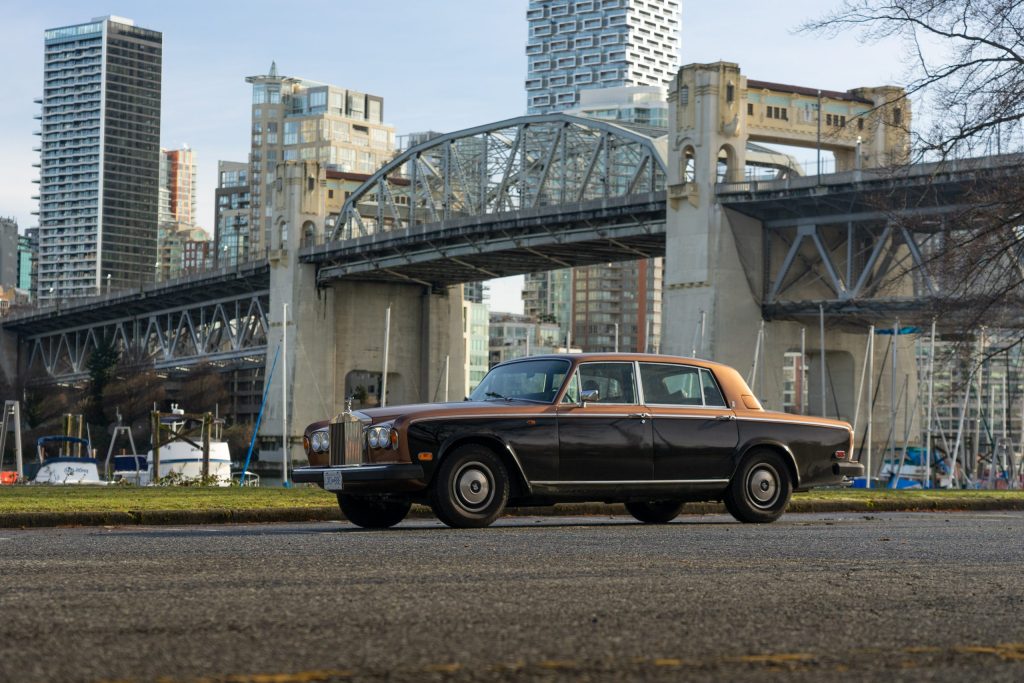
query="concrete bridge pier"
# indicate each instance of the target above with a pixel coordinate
(335, 345)
(715, 264)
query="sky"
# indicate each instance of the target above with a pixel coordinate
(440, 65)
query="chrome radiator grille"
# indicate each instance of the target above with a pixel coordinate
(346, 440)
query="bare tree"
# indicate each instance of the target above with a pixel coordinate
(966, 61)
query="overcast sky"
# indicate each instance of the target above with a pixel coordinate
(439, 64)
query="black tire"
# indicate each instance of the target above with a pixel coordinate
(655, 511)
(470, 488)
(760, 489)
(373, 512)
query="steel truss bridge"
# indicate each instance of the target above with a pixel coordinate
(218, 317)
(540, 192)
(527, 194)
(871, 247)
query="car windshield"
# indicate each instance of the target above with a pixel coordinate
(530, 380)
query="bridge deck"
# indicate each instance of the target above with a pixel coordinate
(500, 244)
(223, 283)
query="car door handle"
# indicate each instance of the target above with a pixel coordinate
(726, 417)
(642, 416)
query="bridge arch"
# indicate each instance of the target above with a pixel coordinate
(517, 164)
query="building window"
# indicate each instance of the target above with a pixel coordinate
(750, 108)
(291, 132)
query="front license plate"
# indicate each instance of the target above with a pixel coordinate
(332, 480)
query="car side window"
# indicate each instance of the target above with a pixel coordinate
(666, 384)
(713, 397)
(613, 381)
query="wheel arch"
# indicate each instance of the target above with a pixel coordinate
(520, 485)
(777, 447)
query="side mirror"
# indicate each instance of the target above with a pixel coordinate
(589, 395)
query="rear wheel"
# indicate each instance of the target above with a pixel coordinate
(760, 489)
(655, 511)
(373, 512)
(470, 488)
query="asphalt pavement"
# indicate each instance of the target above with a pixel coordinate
(894, 596)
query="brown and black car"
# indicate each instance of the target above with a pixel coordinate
(652, 432)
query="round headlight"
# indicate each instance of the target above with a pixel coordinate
(317, 441)
(325, 440)
(373, 436)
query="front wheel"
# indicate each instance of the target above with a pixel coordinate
(760, 489)
(655, 511)
(373, 512)
(470, 488)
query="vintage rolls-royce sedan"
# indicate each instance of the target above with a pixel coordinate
(652, 432)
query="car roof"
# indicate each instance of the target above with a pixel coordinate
(590, 357)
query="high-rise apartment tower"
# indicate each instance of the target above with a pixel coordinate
(576, 45)
(295, 119)
(99, 158)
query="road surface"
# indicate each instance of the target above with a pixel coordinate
(854, 597)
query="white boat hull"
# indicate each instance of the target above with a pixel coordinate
(184, 462)
(67, 470)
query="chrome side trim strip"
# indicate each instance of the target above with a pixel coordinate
(634, 481)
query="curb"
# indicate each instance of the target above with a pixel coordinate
(26, 520)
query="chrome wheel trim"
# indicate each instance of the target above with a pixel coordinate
(763, 486)
(473, 486)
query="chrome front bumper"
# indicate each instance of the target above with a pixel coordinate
(369, 478)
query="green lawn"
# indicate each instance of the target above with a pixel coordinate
(130, 498)
(885, 498)
(97, 499)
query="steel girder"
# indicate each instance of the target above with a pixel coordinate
(226, 329)
(922, 242)
(523, 163)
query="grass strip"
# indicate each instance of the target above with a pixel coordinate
(234, 504)
(130, 499)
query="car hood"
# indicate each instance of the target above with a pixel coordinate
(419, 410)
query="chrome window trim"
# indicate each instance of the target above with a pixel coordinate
(636, 384)
(534, 359)
(703, 404)
(718, 385)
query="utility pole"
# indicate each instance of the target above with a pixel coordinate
(387, 340)
(284, 398)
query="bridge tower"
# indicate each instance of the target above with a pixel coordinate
(335, 346)
(716, 258)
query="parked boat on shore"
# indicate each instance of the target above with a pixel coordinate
(67, 466)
